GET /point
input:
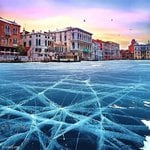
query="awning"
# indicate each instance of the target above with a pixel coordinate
(86, 50)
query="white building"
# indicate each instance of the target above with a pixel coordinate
(77, 41)
(39, 45)
(142, 51)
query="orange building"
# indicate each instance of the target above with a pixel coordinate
(9, 36)
(131, 49)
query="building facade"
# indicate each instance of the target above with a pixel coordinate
(126, 54)
(77, 41)
(142, 51)
(96, 52)
(131, 48)
(38, 44)
(9, 37)
(110, 50)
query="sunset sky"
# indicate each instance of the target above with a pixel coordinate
(115, 20)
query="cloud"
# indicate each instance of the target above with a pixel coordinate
(106, 19)
(126, 5)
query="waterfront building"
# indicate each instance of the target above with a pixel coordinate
(125, 54)
(77, 42)
(96, 52)
(9, 37)
(110, 50)
(105, 50)
(131, 48)
(142, 51)
(39, 45)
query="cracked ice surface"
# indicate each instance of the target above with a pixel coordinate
(74, 106)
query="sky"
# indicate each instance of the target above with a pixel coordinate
(108, 20)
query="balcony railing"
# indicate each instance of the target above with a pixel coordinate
(86, 50)
(15, 45)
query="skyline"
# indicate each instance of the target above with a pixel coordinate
(108, 20)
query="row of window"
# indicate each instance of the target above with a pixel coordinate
(38, 43)
(40, 50)
(7, 30)
(59, 49)
(41, 55)
(78, 46)
(75, 36)
(81, 37)
(65, 38)
(7, 41)
(139, 56)
(139, 52)
(142, 48)
(38, 35)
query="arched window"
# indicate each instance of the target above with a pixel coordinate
(39, 42)
(30, 43)
(45, 42)
(36, 42)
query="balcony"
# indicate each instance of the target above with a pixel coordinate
(15, 45)
(86, 50)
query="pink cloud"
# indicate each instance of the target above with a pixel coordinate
(103, 23)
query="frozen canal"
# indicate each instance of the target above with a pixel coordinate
(75, 106)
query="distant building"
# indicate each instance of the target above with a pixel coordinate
(142, 51)
(131, 48)
(96, 52)
(9, 37)
(125, 54)
(77, 41)
(38, 45)
(105, 50)
(110, 50)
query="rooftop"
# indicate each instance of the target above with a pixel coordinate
(71, 28)
(33, 32)
(142, 44)
(8, 21)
